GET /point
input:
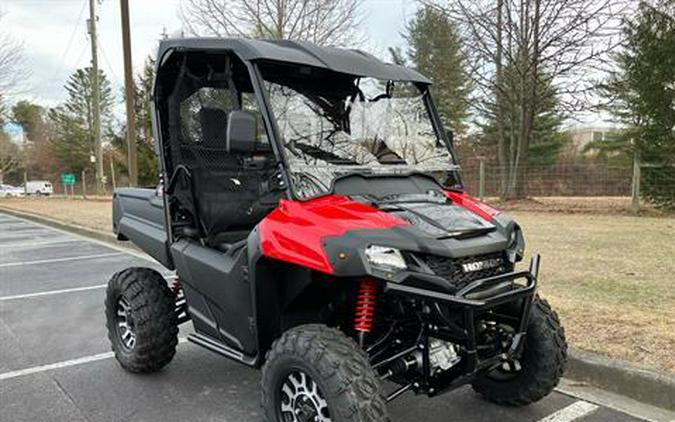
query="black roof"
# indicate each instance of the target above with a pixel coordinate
(353, 62)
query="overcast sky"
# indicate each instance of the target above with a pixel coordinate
(56, 41)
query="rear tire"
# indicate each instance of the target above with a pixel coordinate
(541, 365)
(314, 372)
(141, 320)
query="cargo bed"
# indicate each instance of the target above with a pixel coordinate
(138, 216)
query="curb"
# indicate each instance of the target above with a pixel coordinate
(641, 384)
(72, 228)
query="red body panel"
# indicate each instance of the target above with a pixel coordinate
(472, 204)
(294, 231)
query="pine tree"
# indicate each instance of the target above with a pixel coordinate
(435, 50)
(642, 96)
(73, 120)
(31, 117)
(10, 156)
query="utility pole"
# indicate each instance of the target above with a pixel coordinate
(96, 124)
(129, 95)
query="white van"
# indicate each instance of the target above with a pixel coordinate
(39, 187)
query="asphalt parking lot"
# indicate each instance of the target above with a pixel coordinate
(56, 364)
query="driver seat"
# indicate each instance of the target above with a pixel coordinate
(227, 193)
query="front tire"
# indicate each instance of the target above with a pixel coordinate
(141, 320)
(540, 368)
(316, 373)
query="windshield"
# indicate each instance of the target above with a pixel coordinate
(334, 128)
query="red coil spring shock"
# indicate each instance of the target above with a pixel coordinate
(365, 307)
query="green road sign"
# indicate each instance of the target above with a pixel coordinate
(68, 179)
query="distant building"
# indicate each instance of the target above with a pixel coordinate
(15, 133)
(584, 134)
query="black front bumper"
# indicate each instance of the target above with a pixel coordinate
(478, 296)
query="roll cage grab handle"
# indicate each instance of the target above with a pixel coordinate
(179, 170)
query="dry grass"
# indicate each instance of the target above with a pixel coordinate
(611, 279)
(609, 276)
(94, 214)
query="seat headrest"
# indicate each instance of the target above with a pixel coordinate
(213, 122)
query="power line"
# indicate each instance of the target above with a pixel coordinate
(77, 25)
(70, 40)
(116, 80)
(55, 77)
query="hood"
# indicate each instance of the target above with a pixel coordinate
(441, 220)
(328, 233)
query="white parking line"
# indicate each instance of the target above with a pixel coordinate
(167, 277)
(63, 364)
(52, 292)
(72, 258)
(51, 367)
(34, 244)
(126, 250)
(574, 411)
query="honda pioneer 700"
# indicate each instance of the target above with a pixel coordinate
(312, 208)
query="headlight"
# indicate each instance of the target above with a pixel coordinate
(385, 258)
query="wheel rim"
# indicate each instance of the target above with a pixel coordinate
(125, 324)
(301, 399)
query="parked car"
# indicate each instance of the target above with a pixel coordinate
(39, 187)
(8, 191)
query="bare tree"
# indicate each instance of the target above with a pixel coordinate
(11, 60)
(518, 47)
(324, 22)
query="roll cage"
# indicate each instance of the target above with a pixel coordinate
(247, 56)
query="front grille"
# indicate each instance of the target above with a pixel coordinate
(452, 269)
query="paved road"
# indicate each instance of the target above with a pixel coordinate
(55, 363)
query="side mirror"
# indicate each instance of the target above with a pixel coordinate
(242, 130)
(451, 136)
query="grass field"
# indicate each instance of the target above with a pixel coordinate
(611, 276)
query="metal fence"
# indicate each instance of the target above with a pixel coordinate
(557, 180)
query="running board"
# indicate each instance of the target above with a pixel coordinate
(221, 348)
